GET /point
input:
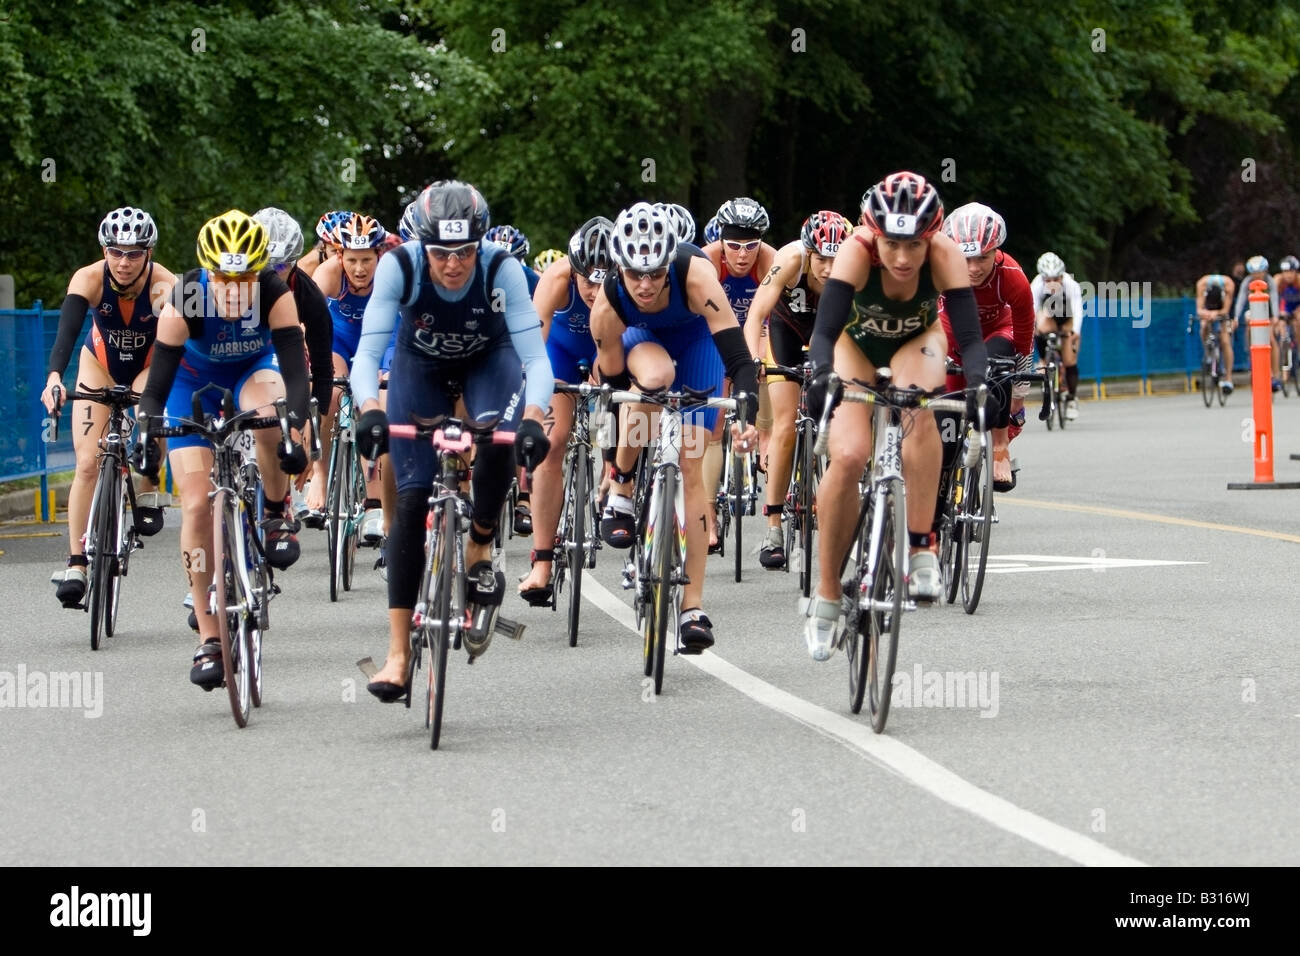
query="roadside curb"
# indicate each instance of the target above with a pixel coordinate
(22, 504)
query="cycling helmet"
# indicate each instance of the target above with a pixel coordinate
(683, 222)
(128, 226)
(514, 241)
(359, 232)
(824, 232)
(902, 206)
(589, 247)
(1215, 282)
(406, 228)
(976, 229)
(233, 243)
(712, 231)
(1256, 264)
(283, 235)
(744, 214)
(547, 258)
(327, 223)
(643, 238)
(451, 213)
(1289, 264)
(1050, 266)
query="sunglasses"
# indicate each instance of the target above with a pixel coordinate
(133, 255)
(655, 275)
(742, 246)
(460, 253)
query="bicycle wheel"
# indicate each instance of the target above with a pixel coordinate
(737, 495)
(951, 550)
(791, 515)
(1054, 386)
(575, 541)
(121, 549)
(976, 527)
(857, 631)
(661, 581)
(1286, 361)
(807, 509)
(98, 551)
(1061, 403)
(229, 603)
(1207, 381)
(255, 621)
(334, 495)
(353, 502)
(887, 587)
(444, 614)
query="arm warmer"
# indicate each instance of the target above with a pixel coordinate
(965, 319)
(377, 326)
(162, 373)
(72, 317)
(832, 315)
(740, 367)
(293, 366)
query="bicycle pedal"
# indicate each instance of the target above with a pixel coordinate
(508, 628)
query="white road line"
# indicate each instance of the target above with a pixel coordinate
(902, 759)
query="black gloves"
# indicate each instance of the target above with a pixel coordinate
(146, 457)
(531, 444)
(372, 434)
(293, 461)
(819, 394)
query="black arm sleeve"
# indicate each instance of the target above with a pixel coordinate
(965, 320)
(832, 315)
(740, 367)
(162, 373)
(72, 318)
(293, 366)
(318, 327)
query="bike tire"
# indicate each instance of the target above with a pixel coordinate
(1060, 406)
(1055, 388)
(808, 510)
(443, 616)
(665, 542)
(227, 586)
(887, 589)
(1208, 380)
(121, 547)
(737, 495)
(791, 516)
(857, 641)
(334, 516)
(253, 622)
(355, 502)
(977, 529)
(575, 557)
(950, 540)
(97, 580)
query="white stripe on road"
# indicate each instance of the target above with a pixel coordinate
(908, 763)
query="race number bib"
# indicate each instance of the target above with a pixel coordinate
(597, 276)
(969, 249)
(358, 242)
(830, 248)
(278, 250)
(232, 262)
(247, 446)
(453, 229)
(902, 222)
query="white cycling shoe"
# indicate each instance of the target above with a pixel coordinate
(924, 581)
(1072, 409)
(372, 527)
(822, 626)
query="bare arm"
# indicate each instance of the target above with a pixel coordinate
(552, 293)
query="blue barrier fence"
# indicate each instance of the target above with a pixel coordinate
(1120, 340)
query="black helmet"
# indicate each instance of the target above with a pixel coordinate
(451, 213)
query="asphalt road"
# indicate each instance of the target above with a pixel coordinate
(1123, 712)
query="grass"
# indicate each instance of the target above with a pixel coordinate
(21, 484)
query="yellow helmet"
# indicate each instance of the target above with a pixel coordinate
(233, 243)
(546, 258)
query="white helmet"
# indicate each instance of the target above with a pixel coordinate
(128, 226)
(1050, 266)
(284, 235)
(643, 238)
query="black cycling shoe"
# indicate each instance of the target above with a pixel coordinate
(523, 519)
(696, 634)
(208, 671)
(486, 587)
(281, 544)
(617, 527)
(71, 588)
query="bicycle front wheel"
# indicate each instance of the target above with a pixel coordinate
(334, 516)
(807, 509)
(353, 502)
(121, 532)
(444, 613)
(951, 551)
(230, 604)
(976, 527)
(1054, 386)
(887, 588)
(737, 495)
(99, 544)
(575, 557)
(857, 626)
(660, 565)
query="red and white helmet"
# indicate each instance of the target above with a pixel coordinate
(976, 229)
(824, 232)
(903, 205)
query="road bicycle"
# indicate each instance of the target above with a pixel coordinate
(656, 569)
(875, 569)
(1212, 373)
(110, 538)
(799, 516)
(577, 537)
(737, 492)
(345, 494)
(1054, 372)
(441, 616)
(243, 582)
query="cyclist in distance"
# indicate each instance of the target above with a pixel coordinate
(1058, 303)
(1213, 303)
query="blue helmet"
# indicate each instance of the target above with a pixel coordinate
(712, 231)
(514, 241)
(406, 228)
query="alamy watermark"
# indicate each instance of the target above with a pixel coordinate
(922, 688)
(1106, 300)
(75, 909)
(75, 690)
